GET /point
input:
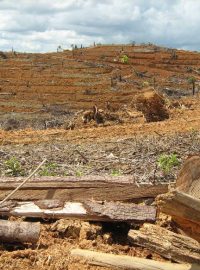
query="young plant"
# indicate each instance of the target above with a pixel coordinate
(124, 59)
(192, 80)
(167, 162)
(48, 169)
(79, 173)
(145, 84)
(13, 167)
(115, 172)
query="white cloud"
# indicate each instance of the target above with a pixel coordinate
(42, 25)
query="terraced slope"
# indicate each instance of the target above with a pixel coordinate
(35, 88)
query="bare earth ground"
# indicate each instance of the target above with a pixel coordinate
(44, 93)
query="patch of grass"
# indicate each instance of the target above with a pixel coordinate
(13, 167)
(167, 162)
(48, 169)
(79, 173)
(116, 173)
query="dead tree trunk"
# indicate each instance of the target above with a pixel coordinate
(23, 232)
(188, 180)
(166, 243)
(184, 203)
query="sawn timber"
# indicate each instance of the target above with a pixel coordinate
(108, 188)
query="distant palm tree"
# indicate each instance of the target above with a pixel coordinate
(192, 80)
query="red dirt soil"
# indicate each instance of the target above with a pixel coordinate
(81, 78)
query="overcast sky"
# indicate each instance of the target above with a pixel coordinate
(42, 25)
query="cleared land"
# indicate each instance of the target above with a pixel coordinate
(42, 101)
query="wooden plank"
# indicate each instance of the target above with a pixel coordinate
(121, 188)
(184, 209)
(127, 262)
(24, 232)
(166, 243)
(88, 210)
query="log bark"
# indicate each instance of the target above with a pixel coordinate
(88, 210)
(121, 188)
(184, 209)
(127, 262)
(23, 232)
(166, 243)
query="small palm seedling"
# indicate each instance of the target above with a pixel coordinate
(13, 167)
(48, 169)
(124, 59)
(167, 162)
(79, 173)
(192, 80)
(116, 173)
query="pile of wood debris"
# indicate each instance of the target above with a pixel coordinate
(115, 200)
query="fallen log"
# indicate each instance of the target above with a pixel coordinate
(121, 188)
(166, 243)
(127, 262)
(23, 232)
(88, 210)
(184, 209)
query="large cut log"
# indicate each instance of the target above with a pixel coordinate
(180, 204)
(166, 243)
(108, 188)
(88, 210)
(23, 232)
(127, 262)
(184, 209)
(183, 204)
(188, 179)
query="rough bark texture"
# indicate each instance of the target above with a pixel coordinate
(88, 210)
(99, 188)
(184, 209)
(127, 262)
(188, 179)
(24, 232)
(166, 243)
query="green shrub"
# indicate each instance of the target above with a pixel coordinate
(124, 59)
(167, 162)
(13, 167)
